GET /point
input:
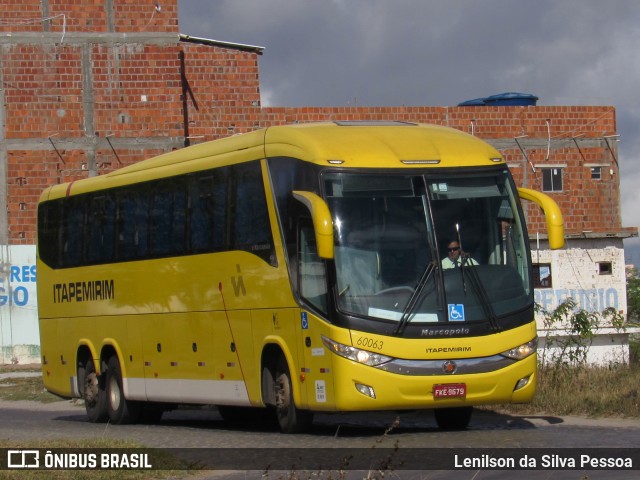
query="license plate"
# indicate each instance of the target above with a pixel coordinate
(450, 390)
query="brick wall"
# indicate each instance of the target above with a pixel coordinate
(136, 90)
(223, 96)
(88, 16)
(110, 83)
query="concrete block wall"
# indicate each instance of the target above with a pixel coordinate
(90, 86)
(579, 271)
(576, 273)
(62, 16)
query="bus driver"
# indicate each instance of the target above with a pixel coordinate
(455, 256)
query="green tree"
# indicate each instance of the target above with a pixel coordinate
(633, 296)
(570, 331)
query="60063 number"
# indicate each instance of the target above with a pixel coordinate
(369, 343)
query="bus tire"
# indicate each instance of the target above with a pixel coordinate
(93, 393)
(121, 411)
(290, 418)
(453, 418)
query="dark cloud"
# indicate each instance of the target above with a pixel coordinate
(441, 52)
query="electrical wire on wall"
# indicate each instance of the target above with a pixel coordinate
(156, 9)
(39, 20)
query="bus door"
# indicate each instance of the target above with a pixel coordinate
(315, 367)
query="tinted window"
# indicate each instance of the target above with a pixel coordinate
(168, 217)
(251, 227)
(72, 239)
(100, 230)
(133, 223)
(208, 211)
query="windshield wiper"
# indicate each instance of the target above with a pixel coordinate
(415, 296)
(481, 293)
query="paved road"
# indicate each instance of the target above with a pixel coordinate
(204, 428)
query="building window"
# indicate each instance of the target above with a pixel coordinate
(542, 275)
(605, 268)
(596, 173)
(552, 179)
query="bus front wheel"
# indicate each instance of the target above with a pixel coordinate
(121, 411)
(93, 393)
(290, 418)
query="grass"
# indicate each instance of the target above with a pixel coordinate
(589, 391)
(28, 388)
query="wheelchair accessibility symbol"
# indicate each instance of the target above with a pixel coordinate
(456, 312)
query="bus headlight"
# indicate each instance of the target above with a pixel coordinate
(522, 351)
(357, 355)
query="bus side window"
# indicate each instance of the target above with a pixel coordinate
(201, 213)
(313, 279)
(207, 211)
(72, 232)
(168, 218)
(100, 229)
(133, 219)
(251, 226)
(48, 239)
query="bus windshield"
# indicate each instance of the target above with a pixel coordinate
(396, 236)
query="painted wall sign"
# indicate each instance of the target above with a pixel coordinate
(592, 300)
(19, 333)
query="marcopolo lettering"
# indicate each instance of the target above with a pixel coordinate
(83, 291)
(444, 332)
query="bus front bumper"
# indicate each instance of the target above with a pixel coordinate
(360, 387)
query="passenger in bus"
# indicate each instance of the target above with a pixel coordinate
(455, 256)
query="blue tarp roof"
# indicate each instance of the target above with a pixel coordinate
(503, 99)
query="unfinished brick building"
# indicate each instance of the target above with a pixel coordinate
(90, 86)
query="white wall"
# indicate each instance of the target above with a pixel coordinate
(575, 274)
(19, 334)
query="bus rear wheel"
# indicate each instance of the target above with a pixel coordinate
(121, 411)
(93, 393)
(290, 418)
(453, 418)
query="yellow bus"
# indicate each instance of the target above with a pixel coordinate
(295, 269)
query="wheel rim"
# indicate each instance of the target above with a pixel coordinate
(114, 394)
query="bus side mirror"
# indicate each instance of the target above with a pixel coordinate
(552, 213)
(322, 223)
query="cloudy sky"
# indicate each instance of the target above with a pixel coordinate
(442, 52)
